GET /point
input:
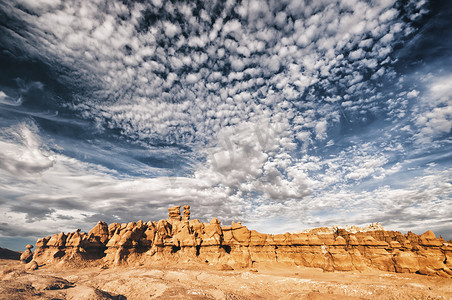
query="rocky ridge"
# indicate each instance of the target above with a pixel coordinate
(9, 254)
(179, 238)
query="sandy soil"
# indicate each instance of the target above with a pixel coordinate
(187, 281)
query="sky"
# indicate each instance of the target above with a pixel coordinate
(282, 114)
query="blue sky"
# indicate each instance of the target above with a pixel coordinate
(285, 115)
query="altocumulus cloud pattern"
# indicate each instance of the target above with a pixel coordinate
(282, 114)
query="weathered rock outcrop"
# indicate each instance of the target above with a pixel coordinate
(179, 238)
(27, 255)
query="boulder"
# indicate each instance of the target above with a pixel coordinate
(163, 233)
(184, 236)
(31, 266)
(198, 227)
(74, 240)
(100, 231)
(428, 235)
(213, 234)
(57, 240)
(341, 259)
(126, 239)
(114, 240)
(149, 233)
(26, 256)
(241, 234)
(112, 229)
(42, 242)
(406, 262)
(432, 258)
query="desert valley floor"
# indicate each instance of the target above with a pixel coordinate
(170, 280)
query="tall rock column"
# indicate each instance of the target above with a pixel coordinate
(174, 213)
(186, 215)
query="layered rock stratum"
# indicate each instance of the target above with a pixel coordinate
(180, 239)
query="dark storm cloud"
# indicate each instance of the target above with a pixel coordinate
(33, 212)
(17, 230)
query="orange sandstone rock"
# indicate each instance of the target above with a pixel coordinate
(179, 238)
(174, 213)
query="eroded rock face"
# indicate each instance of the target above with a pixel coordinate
(179, 238)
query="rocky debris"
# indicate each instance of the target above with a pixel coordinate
(190, 240)
(27, 255)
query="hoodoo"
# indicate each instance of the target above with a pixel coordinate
(179, 238)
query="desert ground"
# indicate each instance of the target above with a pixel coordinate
(171, 280)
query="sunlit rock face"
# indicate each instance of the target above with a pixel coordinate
(179, 238)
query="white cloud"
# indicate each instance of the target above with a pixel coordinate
(413, 94)
(59, 192)
(5, 99)
(357, 54)
(320, 130)
(41, 5)
(421, 204)
(434, 117)
(23, 154)
(441, 88)
(99, 40)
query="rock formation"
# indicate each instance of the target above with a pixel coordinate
(27, 255)
(174, 213)
(179, 238)
(31, 266)
(186, 215)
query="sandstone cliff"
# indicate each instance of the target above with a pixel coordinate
(179, 238)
